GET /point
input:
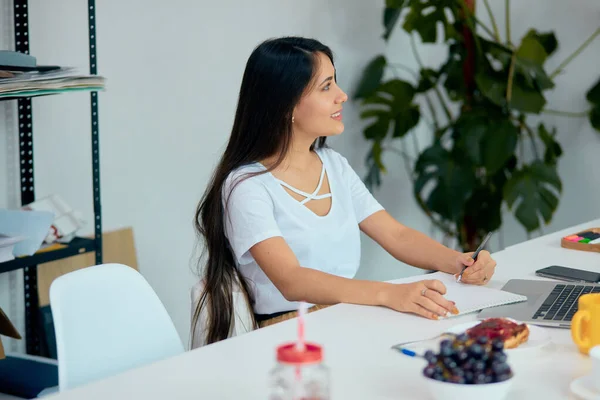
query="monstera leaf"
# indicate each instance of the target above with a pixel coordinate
(392, 108)
(487, 140)
(593, 96)
(452, 73)
(553, 148)
(530, 58)
(374, 166)
(391, 14)
(424, 17)
(452, 178)
(529, 77)
(371, 77)
(529, 190)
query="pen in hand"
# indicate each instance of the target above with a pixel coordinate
(483, 242)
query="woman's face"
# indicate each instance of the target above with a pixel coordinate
(319, 112)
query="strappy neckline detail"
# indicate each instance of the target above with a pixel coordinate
(309, 196)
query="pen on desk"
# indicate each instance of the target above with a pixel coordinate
(407, 352)
(483, 242)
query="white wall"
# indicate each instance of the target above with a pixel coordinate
(173, 75)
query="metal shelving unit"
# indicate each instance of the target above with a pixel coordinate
(25, 117)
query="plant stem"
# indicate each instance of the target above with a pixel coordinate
(493, 20)
(416, 144)
(567, 113)
(532, 137)
(522, 152)
(405, 68)
(507, 18)
(429, 214)
(434, 115)
(415, 52)
(575, 53)
(485, 28)
(435, 88)
(408, 162)
(469, 16)
(511, 73)
(402, 153)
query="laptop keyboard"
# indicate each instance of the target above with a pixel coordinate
(561, 304)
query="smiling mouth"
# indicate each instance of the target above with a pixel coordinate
(337, 115)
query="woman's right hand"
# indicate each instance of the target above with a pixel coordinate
(425, 298)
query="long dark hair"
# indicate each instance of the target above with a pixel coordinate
(277, 74)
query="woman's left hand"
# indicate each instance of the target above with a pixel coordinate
(478, 272)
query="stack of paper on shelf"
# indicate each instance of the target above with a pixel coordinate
(35, 83)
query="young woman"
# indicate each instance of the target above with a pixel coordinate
(282, 215)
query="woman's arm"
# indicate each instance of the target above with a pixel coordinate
(297, 283)
(408, 245)
(417, 249)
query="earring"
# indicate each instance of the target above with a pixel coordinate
(292, 119)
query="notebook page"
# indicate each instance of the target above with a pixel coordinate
(468, 298)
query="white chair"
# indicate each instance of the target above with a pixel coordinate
(107, 319)
(242, 311)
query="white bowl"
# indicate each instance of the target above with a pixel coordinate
(485, 391)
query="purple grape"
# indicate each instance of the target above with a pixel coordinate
(479, 378)
(446, 351)
(469, 377)
(462, 356)
(457, 379)
(449, 362)
(485, 357)
(430, 357)
(482, 340)
(500, 367)
(476, 350)
(468, 365)
(498, 345)
(503, 377)
(478, 366)
(429, 371)
(438, 377)
(499, 356)
(463, 337)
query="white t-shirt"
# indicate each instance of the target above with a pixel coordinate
(260, 208)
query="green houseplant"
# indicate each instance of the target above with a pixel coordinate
(476, 162)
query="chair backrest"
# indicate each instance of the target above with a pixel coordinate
(243, 321)
(107, 319)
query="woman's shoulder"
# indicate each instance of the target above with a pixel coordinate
(246, 177)
(334, 158)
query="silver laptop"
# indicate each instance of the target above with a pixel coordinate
(549, 303)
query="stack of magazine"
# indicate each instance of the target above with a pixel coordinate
(41, 82)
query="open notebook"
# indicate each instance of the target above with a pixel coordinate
(468, 298)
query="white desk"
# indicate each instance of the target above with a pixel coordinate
(357, 342)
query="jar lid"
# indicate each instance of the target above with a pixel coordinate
(288, 354)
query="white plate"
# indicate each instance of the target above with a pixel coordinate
(538, 336)
(583, 388)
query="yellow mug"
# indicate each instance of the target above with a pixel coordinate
(585, 326)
